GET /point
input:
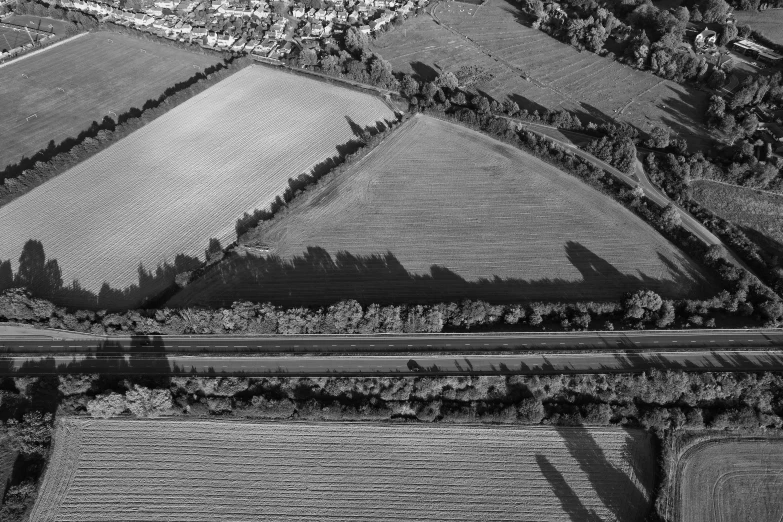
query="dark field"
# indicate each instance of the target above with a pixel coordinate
(59, 92)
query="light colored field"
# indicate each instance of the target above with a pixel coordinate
(769, 22)
(187, 176)
(439, 212)
(731, 479)
(495, 37)
(759, 214)
(199, 471)
(98, 73)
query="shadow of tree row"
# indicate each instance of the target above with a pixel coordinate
(316, 278)
(42, 277)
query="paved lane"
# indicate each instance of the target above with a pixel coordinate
(404, 343)
(468, 364)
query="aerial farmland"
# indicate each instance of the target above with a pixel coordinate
(205, 471)
(533, 69)
(186, 177)
(57, 93)
(730, 478)
(440, 212)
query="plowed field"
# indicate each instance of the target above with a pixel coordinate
(169, 187)
(199, 471)
(438, 212)
(731, 479)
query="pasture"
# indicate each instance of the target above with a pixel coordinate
(759, 214)
(438, 212)
(59, 92)
(536, 71)
(727, 479)
(769, 23)
(186, 177)
(209, 471)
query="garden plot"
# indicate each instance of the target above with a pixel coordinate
(208, 471)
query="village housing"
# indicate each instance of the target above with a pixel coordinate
(257, 27)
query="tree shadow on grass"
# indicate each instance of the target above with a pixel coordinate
(612, 485)
(317, 278)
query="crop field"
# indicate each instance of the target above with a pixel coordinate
(759, 214)
(59, 92)
(205, 471)
(494, 36)
(768, 22)
(186, 177)
(731, 479)
(439, 212)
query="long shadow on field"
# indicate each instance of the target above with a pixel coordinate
(613, 486)
(316, 278)
(569, 500)
(42, 277)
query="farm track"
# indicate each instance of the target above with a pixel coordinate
(205, 471)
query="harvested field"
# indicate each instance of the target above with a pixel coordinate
(439, 212)
(731, 479)
(769, 23)
(496, 37)
(205, 471)
(759, 214)
(169, 187)
(59, 92)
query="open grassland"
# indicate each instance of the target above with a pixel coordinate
(759, 214)
(169, 187)
(731, 479)
(495, 37)
(205, 471)
(439, 212)
(59, 92)
(769, 22)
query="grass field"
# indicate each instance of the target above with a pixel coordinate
(13, 38)
(731, 479)
(205, 471)
(187, 176)
(759, 214)
(69, 86)
(495, 36)
(47, 25)
(439, 212)
(769, 22)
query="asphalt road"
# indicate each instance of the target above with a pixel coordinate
(399, 354)
(379, 365)
(403, 343)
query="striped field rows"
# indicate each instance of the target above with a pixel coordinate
(186, 177)
(170, 470)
